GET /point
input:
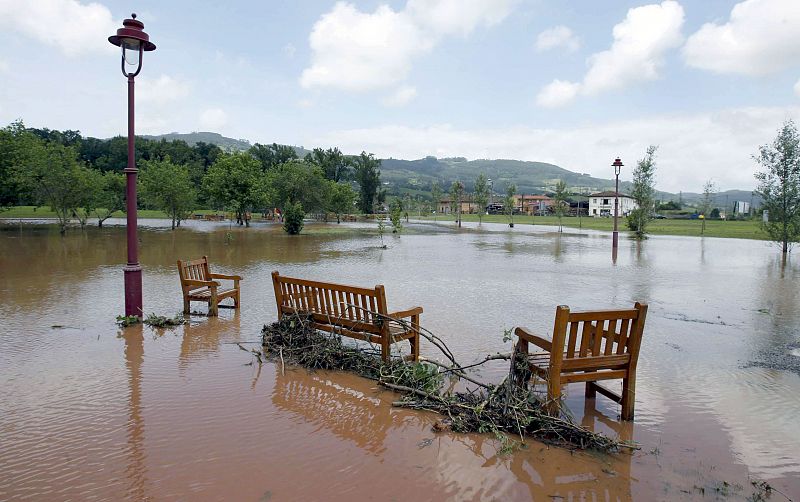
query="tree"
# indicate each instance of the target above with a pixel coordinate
(643, 193)
(456, 194)
(167, 186)
(395, 214)
(111, 197)
(368, 176)
(92, 183)
(235, 182)
(481, 196)
(293, 215)
(17, 148)
(54, 177)
(335, 166)
(561, 202)
(779, 186)
(508, 203)
(341, 199)
(296, 182)
(709, 190)
(436, 196)
(270, 156)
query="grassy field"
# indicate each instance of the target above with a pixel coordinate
(714, 228)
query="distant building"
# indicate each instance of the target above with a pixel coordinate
(467, 205)
(741, 207)
(533, 204)
(602, 204)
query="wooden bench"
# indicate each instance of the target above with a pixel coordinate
(355, 312)
(198, 285)
(587, 347)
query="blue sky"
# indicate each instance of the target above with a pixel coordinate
(573, 83)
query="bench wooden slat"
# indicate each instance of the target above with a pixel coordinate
(192, 271)
(348, 310)
(608, 349)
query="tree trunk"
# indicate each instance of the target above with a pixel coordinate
(173, 222)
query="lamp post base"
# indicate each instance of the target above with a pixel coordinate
(615, 240)
(133, 290)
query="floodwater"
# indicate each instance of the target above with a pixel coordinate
(89, 411)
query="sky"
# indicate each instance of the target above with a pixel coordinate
(572, 83)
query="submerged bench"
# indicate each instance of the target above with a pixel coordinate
(587, 347)
(351, 311)
(198, 285)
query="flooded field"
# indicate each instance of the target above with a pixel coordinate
(94, 412)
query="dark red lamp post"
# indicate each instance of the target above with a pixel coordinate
(617, 165)
(134, 42)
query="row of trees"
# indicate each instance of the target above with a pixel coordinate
(81, 177)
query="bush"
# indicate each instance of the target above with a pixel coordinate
(293, 218)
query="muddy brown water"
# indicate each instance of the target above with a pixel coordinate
(89, 411)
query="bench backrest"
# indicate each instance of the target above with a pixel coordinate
(196, 270)
(597, 339)
(332, 304)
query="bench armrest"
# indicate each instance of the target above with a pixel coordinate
(224, 276)
(405, 313)
(526, 335)
(199, 284)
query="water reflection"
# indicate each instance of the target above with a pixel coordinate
(136, 470)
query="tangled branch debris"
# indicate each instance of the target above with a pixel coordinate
(508, 408)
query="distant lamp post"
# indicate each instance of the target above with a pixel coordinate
(134, 42)
(491, 192)
(617, 165)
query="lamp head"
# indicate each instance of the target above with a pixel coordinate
(133, 40)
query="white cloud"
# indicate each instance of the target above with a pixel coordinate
(162, 90)
(760, 37)
(558, 36)
(359, 51)
(403, 95)
(71, 26)
(640, 42)
(458, 17)
(557, 93)
(797, 88)
(730, 137)
(213, 119)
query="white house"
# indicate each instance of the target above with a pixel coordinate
(602, 204)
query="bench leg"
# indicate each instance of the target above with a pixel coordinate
(236, 300)
(414, 340)
(591, 390)
(186, 308)
(554, 394)
(213, 309)
(628, 397)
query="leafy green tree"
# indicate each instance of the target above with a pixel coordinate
(335, 166)
(779, 186)
(17, 149)
(508, 203)
(293, 215)
(235, 182)
(408, 204)
(481, 197)
(53, 175)
(167, 186)
(709, 190)
(271, 156)
(92, 182)
(436, 197)
(368, 176)
(341, 199)
(298, 181)
(456, 195)
(111, 197)
(561, 202)
(643, 193)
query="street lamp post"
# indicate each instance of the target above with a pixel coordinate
(133, 41)
(617, 165)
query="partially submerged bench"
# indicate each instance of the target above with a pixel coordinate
(587, 347)
(351, 311)
(198, 285)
